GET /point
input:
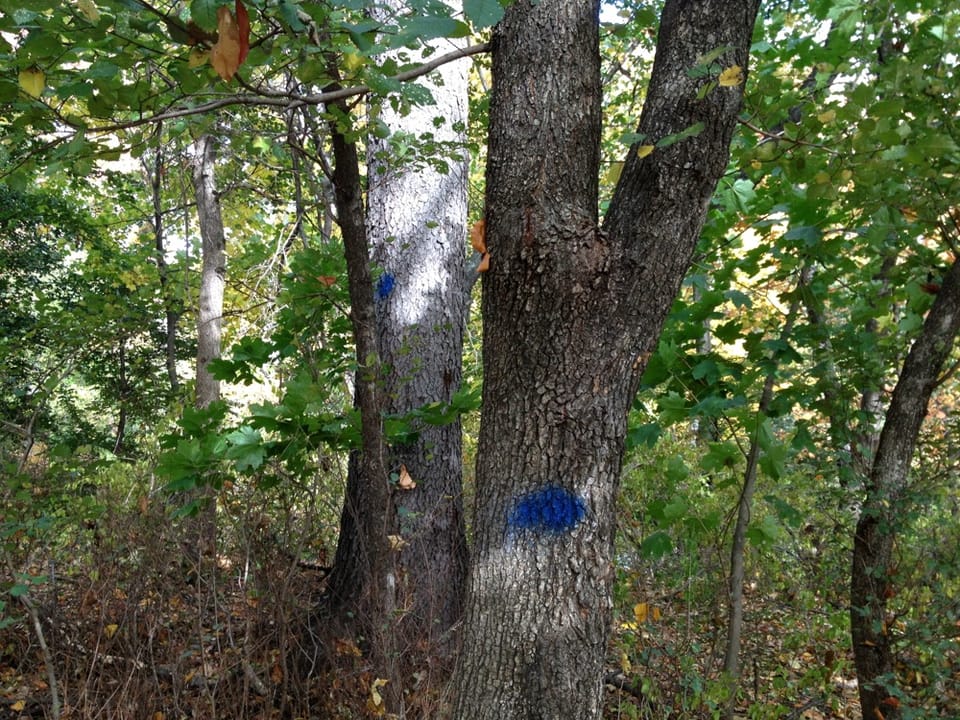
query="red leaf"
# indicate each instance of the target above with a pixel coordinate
(243, 23)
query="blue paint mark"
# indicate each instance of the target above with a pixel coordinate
(385, 285)
(552, 509)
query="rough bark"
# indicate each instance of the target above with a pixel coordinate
(872, 576)
(570, 314)
(213, 271)
(362, 583)
(416, 224)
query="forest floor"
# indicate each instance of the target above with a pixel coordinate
(126, 627)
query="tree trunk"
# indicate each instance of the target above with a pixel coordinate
(872, 577)
(738, 546)
(213, 275)
(170, 306)
(362, 584)
(571, 313)
(416, 224)
(214, 268)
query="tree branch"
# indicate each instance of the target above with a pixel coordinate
(287, 100)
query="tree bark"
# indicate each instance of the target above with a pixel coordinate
(213, 275)
(571, 313)
(213, 272)
(170, 305)
(362, 583)
(416, 224)
(873, 577)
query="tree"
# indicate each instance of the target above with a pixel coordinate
(571, 313)
(416, 221)
(872, 577)
(213, 268)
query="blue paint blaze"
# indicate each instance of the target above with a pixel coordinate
(385, 285)
(552, 509)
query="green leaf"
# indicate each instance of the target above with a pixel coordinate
(691, 131)
(431, 27)
(246, 448)
(646, 434)
(656, 545)
(204, 12)
(764, 533)
(483, 13)
(720, 456)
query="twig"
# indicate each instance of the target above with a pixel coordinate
(47, 656)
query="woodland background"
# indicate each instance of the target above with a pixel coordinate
(166, 531)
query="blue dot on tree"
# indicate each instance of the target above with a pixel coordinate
(551, 509)
(385, 285)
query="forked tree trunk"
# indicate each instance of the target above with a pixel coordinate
(571, 313)
(872, 579)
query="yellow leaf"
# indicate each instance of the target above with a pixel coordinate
(731, 77)
(375, 701)
(624, 662)
(18, 706)
(32, 81)
(644, 150)
(198, 57)
(846, 174)
(110, 630)
(655, 614)
(613, 173)
(641, 611)
(827, 117)
(347, 647)
(406, 482)
(756, 164)
(822, 177)
(909, 214)
(89, 10)
(353, 62)
(225, 53)
(396, 542)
